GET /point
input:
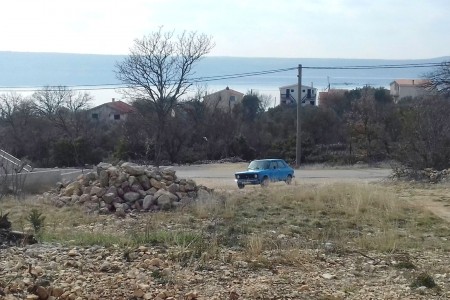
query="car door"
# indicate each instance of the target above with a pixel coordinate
(283, 170)
(274, 172)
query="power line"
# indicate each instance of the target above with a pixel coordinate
(110, 86)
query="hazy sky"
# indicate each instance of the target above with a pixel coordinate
(391, 29)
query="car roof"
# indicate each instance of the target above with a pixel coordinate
(268, 159)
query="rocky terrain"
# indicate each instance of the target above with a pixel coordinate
(169, 238)
(51, 271)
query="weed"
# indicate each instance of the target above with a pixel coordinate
(36, 220)
(423, 279)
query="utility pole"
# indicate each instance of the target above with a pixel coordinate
(298, 153)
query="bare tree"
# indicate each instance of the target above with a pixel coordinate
(439, 80)
(15, 115)
(158, 71)
(64, 109)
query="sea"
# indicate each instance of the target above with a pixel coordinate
(26, 72)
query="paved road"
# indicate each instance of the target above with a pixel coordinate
(215, 175)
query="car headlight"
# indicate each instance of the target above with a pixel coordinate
(237, 176)
(256, 175)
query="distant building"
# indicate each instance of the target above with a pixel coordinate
(225, 99)
(402, 88)
(114, 111)
(289, 94)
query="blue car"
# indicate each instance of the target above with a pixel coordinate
(264, 171)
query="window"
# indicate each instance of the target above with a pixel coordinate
(232, 99)
(281, 164)
(95, 116)
(292, 90)
(303, 91)
(116, 117)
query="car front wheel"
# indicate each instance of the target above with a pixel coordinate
(265, 182)
(241, 185)
(289, 179)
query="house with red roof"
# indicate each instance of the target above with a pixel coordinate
(409, 88)
(114, 111)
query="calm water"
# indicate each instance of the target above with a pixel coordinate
(40, 69)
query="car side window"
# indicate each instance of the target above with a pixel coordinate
(273, 165)
(280, 164)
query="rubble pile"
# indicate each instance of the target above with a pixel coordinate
(125, 188)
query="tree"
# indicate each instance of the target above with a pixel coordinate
(425, 134)
(251, 107)
(65, 109)
(158, 71)
(439, 80)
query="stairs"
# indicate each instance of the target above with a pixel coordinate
(12, 165)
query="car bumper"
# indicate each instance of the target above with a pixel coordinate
(248, 181)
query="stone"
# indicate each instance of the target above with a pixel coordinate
(173, 188)
(120, 212)
(109, 198)
(148, 201)
(103, 166)
(97, 191)
(131, 196)
(203, 195)
(155, 183)
(328, 276)
(164, 202)
(303, 288)
(145, 182)
(84, 198)
(57, 292)
(104, 178)
(133, 169)
(73, 188)
(42, 292)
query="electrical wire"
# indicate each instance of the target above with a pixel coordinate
(110, 86)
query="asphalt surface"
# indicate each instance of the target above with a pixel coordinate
(215, 175)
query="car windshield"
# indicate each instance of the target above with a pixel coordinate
(258, 165)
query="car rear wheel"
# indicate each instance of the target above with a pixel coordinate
(265, 182)
(241, 185)
(289, 179)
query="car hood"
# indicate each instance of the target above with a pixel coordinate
(250, 172)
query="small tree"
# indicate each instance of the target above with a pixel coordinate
(158, 71)
(439, 80)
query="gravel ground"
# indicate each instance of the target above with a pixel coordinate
(53, 271)
(150, 273)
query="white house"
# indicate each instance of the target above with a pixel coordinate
(289, 94)
(225, 99)
(402, 88)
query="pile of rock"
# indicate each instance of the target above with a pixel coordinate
(125, 188)
(429, 174)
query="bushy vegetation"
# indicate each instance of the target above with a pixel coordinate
(357, 125)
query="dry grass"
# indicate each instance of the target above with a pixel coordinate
(257, 223)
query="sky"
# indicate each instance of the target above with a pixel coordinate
(385, 29)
